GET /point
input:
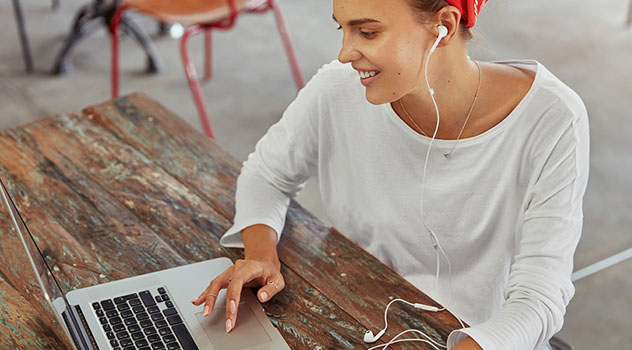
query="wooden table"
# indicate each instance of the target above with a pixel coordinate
(126, 187)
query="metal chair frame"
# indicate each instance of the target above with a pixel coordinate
(192, 76)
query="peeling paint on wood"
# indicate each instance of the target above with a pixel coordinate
(127, 187)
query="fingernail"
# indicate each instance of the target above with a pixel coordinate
(229, 326)
(206, 310)
(264, 296)
(233, 308)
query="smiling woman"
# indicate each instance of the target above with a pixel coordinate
(465, 177)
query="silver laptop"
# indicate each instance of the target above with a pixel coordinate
(151, 311)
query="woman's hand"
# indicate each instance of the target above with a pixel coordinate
(467, 344)
(260, 268)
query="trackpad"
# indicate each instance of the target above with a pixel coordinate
(248, 331)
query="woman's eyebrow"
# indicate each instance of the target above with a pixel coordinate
(357, 22)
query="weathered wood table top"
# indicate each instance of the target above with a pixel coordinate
(126, 187)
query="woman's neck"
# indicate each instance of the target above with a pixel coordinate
(455, 80)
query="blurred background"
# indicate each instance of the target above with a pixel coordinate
(585, 43)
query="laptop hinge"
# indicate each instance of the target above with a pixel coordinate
(79, 331)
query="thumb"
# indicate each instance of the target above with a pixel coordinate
(270, 289)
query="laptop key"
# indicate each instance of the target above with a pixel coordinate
(139, 308)
(134, 328)
(96, 306)
(153, 309)
(100, 313)
(157, 317)
(122, 335)
(135, 302)
(116, 320)
(161, 324)
(148, 300)
(165, 297)
(150, 330)
(184, 337)
(107, 328)
(110, 335)
(126, 342)
(169, 303)
(114, 342)
(142, 316)
(161, 290)
(129, 348)
(158, 345)
(164, 331)
(169, 339)
(119, 300)
(175, 319)
(127, 314)
(138, 336)
(153, 338)
(130, 321)
(158, 299)
(146, 323)
(111, 313)
(173, 346)
(170, 311)
(145, 348)
(118, 328)
(107, 304)
(130, 296)
(122, 307)
(103, 320)
(142, 342)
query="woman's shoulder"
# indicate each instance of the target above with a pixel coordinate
(538, 85)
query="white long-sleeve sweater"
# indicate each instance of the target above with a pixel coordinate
(506, 205)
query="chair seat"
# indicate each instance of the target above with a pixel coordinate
(189, 12)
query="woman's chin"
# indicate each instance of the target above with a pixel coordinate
(376, 98)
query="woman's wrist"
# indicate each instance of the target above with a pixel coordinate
(260, 244)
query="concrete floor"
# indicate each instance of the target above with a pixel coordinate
(586, 46)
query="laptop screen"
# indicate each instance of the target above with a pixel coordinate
(43, 274)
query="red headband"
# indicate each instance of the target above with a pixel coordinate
(469, 10)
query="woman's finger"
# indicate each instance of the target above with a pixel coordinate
(273, 286)
(209, 296)
(245, 272)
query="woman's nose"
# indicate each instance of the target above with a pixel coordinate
(348, 53)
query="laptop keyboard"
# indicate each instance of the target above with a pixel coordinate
(143, 321)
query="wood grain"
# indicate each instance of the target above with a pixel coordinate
(349, 271)
(110, 212)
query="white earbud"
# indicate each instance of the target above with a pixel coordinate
(443, 31)
(369, 337)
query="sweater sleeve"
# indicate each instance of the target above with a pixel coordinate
(539, 286)
(283, 160)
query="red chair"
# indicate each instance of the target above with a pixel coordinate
(199, 15)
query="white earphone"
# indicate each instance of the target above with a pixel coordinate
(369, 337)
(443, 32)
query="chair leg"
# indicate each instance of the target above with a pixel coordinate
(207, 55)
(154, 63)
(85, 16)
(289, 49)
(24, 41)
(192, 77)
(114, 24)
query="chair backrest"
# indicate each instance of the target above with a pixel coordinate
(190, 11)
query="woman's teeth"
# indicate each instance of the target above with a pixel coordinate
(365, 75)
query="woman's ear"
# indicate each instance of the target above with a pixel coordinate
(449, 17)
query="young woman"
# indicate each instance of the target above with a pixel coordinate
(494, 174)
